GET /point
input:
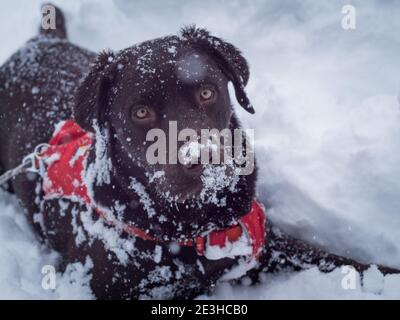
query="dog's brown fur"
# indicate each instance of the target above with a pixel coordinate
(38, 89)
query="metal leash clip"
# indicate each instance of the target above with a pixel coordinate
(34, 162)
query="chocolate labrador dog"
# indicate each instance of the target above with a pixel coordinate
(143, 228)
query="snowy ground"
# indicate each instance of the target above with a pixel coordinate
(327, 129)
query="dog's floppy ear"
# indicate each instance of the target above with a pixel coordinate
(230, 59)
(91, 99)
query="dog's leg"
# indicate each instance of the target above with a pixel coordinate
(283, 252)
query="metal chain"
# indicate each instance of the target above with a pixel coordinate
(33, 162)
(8, 175)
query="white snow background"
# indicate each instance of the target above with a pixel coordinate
(327, 128)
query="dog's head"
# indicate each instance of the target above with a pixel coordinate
(144, 97)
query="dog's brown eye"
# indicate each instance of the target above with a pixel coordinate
(206, 94)
(142, 112)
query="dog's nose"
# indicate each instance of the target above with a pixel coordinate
(196, 168)
(192, 158)
(193, 169)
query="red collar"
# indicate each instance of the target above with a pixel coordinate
(65, 161)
